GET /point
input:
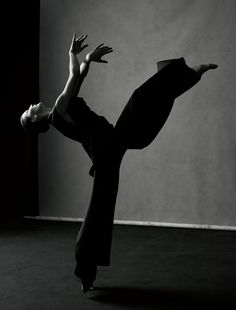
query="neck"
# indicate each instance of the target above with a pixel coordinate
(50, 117)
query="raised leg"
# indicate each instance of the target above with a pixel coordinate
(150, 105)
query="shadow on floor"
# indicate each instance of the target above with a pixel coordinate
(149, 299)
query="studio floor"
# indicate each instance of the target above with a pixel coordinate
(151, 268)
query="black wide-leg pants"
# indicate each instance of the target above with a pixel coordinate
(139, 123)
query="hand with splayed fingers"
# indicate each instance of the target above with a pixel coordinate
(77, 44)
(97, 53)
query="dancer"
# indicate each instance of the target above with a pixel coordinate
(139, 123)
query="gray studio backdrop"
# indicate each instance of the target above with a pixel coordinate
(188, 174)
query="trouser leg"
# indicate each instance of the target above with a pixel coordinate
(150, 105)
(93, 244)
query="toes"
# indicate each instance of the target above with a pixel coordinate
(213, 66)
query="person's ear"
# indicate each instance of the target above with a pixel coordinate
(34, 119)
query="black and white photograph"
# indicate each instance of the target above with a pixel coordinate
(119, 155)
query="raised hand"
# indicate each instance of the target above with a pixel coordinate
(77, 44)
(97, 53)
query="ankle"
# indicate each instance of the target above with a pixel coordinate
(200, 69)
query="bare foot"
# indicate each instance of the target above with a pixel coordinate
(200, 69)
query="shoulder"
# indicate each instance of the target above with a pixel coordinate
(59, 116)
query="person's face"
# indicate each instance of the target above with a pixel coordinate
(37, 110)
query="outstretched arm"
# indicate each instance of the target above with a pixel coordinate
(78, 72)
(96, 56)
(68, 92)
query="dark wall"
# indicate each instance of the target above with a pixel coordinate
(20, 89)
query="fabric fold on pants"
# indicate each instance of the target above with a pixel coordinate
(139, 123)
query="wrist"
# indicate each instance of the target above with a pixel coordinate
(87, 59)
(74, 71)
(71, 52)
